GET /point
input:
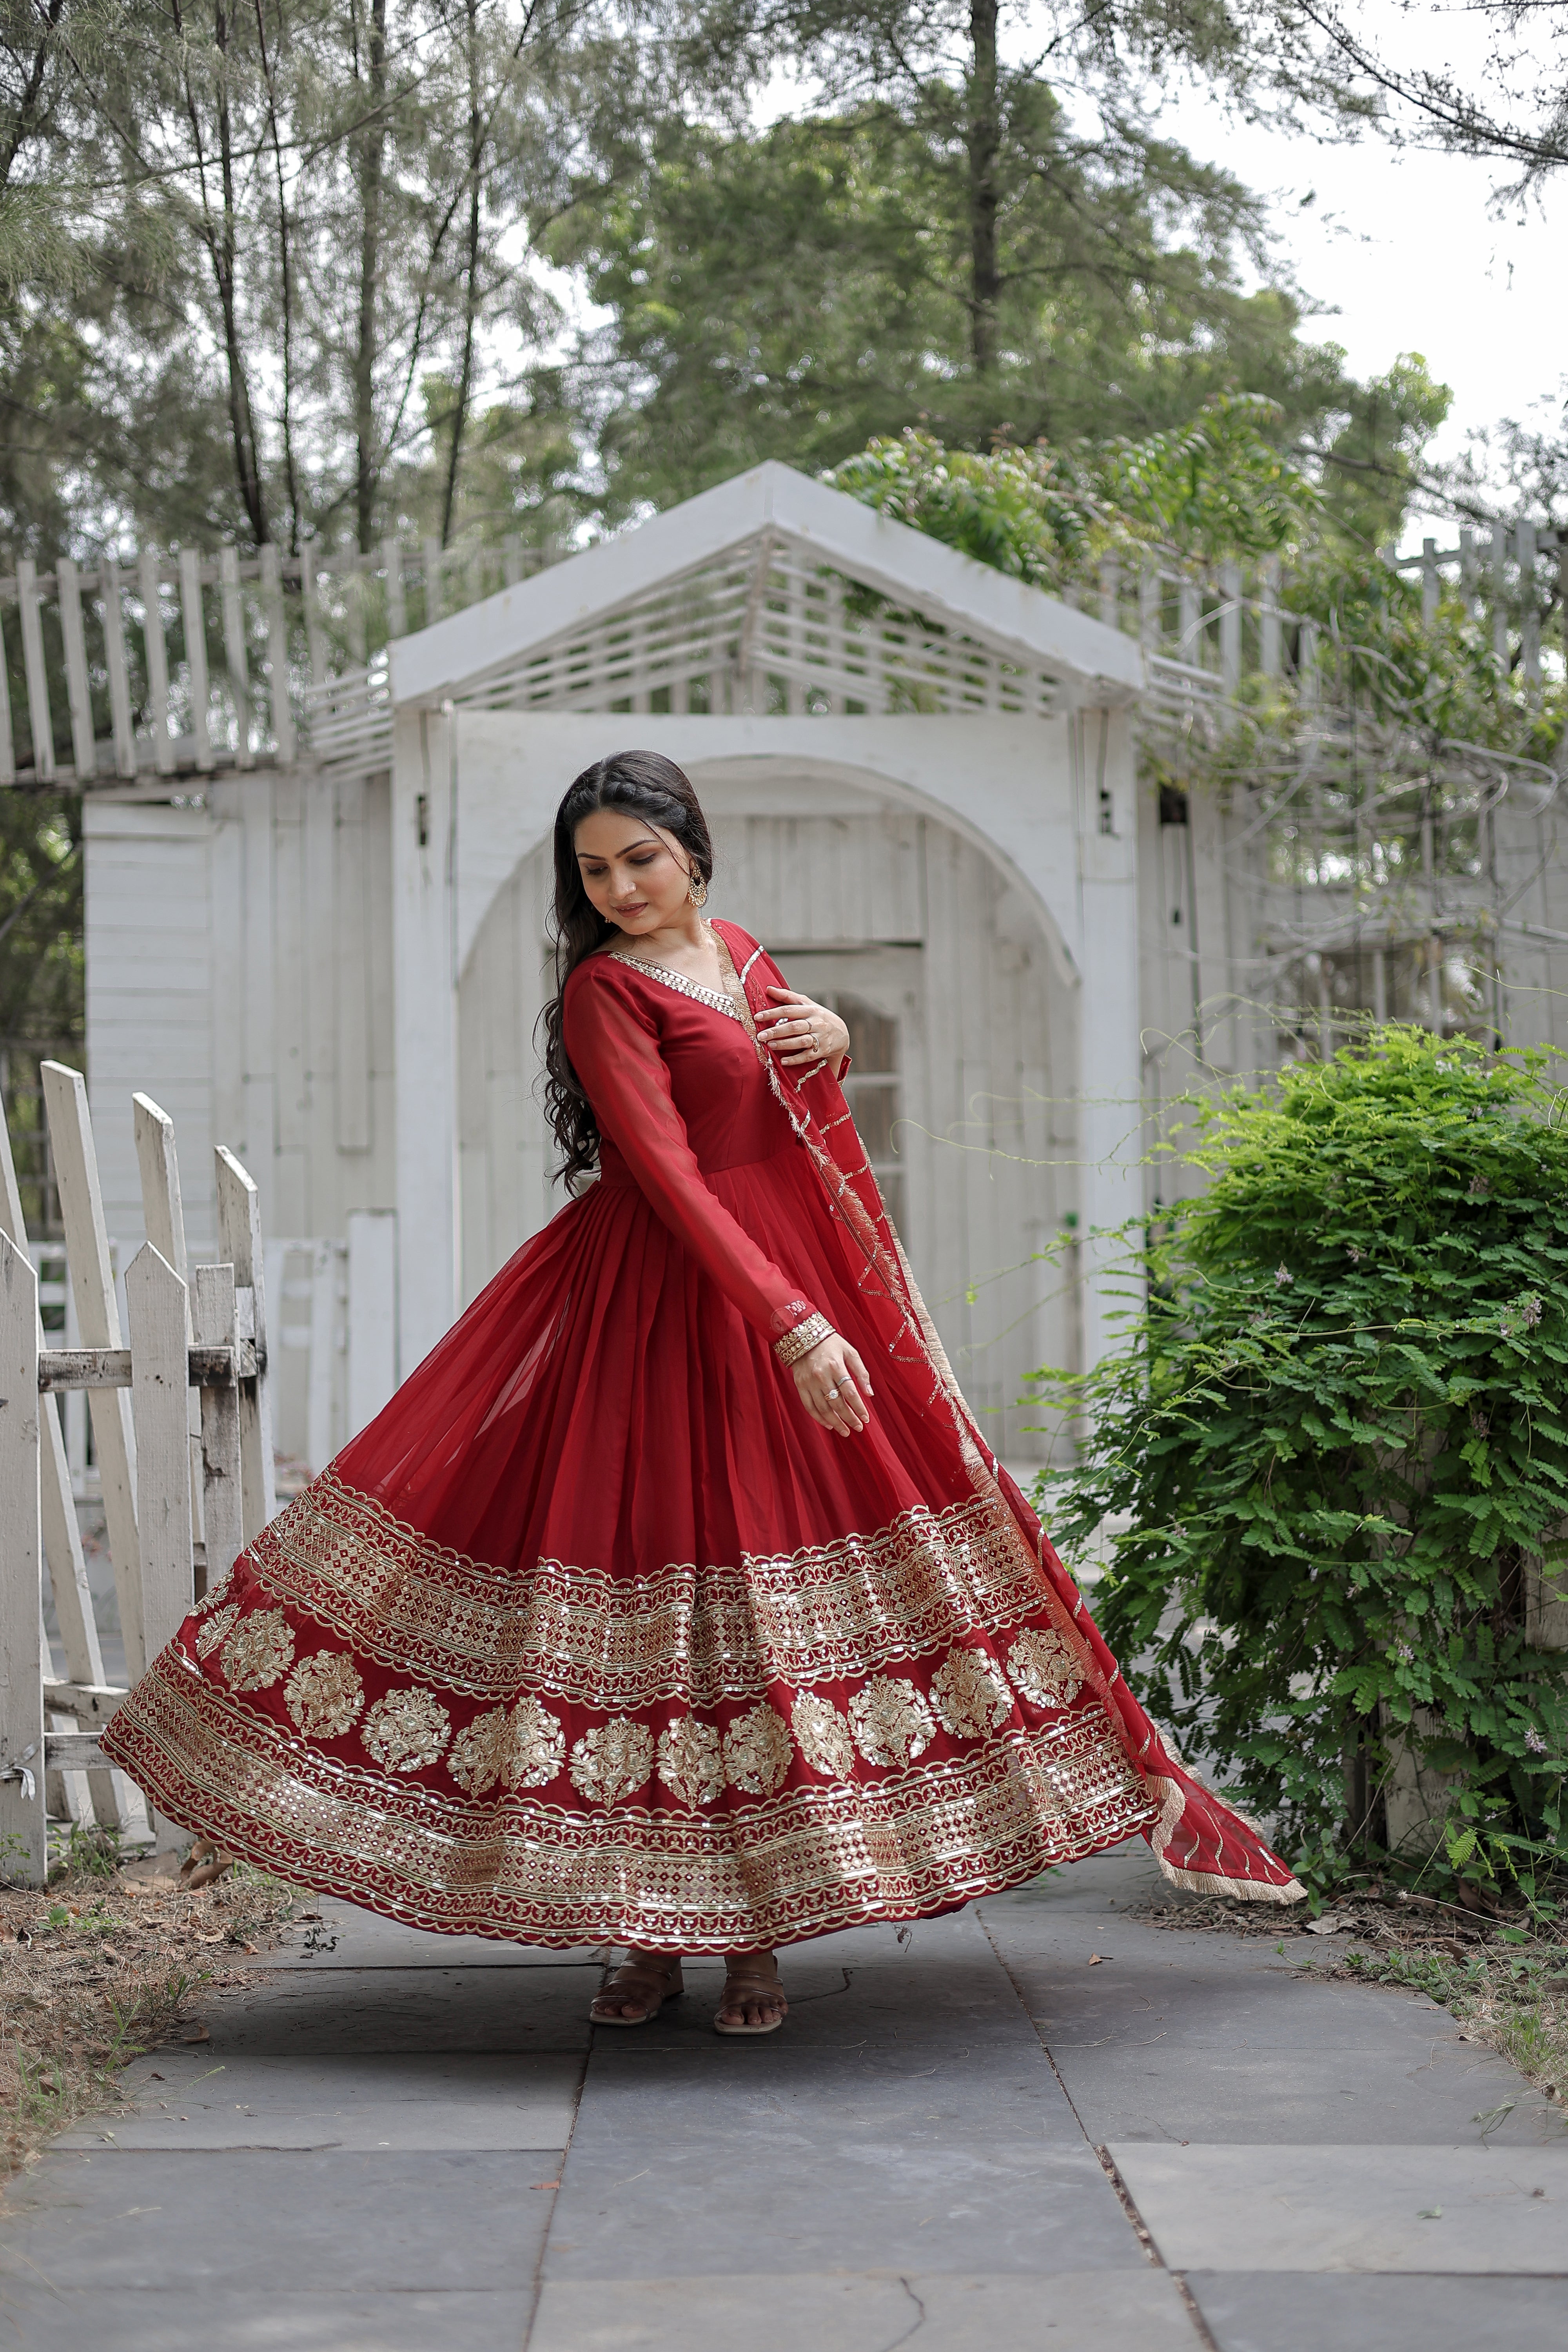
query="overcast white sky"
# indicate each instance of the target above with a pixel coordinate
(1405, 254)
(1402, 250)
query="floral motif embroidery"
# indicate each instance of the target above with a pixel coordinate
(260, 1649)
(689, 1760)
(524, 1748)
(810, 1859)
(1044, 1670)
(892, 1723)
(758, 1751)
(324, 1693)
(478, 1757)
(406, 1730)
(613, 1760)
(209, 1601)
(537, 1748)
(210, 1634)
(970, 1694)
(823, 1737)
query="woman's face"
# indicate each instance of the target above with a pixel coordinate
(630, 875)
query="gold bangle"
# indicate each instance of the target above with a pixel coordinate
(803, 1340)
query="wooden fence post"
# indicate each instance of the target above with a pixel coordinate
(62, 1536)
(35, 672)
(120, 726)
(83, 745)
(371, 1315)
(160, 1377)
(7, 745)
(277, 655)
(212, 1312)
(194, 623)
(98, 1318)
(157, 654)
(234, 653)
(21, 1553)
(396, 608)
(239, 1238)
(160, 1374)
(163, 1216)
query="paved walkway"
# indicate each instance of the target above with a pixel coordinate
(977, 2140)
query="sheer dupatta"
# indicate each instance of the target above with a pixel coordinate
(1199, 1841)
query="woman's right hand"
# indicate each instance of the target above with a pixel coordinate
(834, 1386)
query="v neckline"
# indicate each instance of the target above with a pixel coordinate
(722, 1003)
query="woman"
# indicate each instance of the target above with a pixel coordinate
(675, 1601)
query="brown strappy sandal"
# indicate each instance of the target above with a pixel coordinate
(204, 1865)
(655, 1974)
(744, 1978)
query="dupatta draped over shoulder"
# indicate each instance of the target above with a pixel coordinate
(594, 1636)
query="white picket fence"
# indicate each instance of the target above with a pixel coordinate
(181, 1431)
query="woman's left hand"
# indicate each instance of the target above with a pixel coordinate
(802, 1033)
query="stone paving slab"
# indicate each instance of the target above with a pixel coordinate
(1303, 2312)
(659, 2177)
(343, 1936)
(412, 2100)
(37, 2318)
(1215, 2003)
(1469, 2209)
(328, 2012)
(1366, 2097)
(253, 2220)
(918, 2098)
(1092, 2311)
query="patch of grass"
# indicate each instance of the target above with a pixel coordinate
(96, 1968)
(1509, 1997)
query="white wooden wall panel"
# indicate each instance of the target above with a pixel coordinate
(290, 951)
(149, 1008)
(235, 954)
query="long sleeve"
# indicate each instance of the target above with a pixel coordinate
(615, 1052)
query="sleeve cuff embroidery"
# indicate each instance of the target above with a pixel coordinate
(802, 1340)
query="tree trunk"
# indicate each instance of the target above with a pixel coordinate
(372, 171)
(32, 89)
(223, 247)
(477, 136)
(984, 140)
(286, 269)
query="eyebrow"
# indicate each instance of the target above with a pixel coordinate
(647, 841)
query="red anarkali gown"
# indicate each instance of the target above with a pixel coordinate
(594, 1636)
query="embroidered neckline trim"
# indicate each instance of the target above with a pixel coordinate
(678, 981)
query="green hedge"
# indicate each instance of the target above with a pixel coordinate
(1338, 1436)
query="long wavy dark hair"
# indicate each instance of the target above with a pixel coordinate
(646, 786)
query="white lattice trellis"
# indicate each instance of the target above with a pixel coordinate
(764, 619)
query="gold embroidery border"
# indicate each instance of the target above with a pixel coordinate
(774, 1871)
(828, 1613)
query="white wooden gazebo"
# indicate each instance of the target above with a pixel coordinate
(919, 777)
(331, 956)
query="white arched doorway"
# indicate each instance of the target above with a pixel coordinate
(961, 1006)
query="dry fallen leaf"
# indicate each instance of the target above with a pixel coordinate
(197, 2033)
(1095, 1960)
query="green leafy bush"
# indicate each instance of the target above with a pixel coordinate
(1336, 1450)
